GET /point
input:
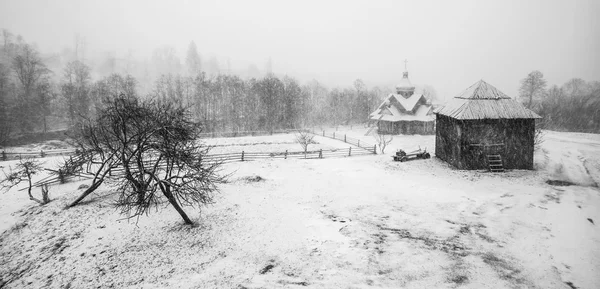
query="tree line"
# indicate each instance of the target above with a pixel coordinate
(573, 106)
(35, 98)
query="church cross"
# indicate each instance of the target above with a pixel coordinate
(405, 62)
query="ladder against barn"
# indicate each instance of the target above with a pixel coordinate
(495, 163)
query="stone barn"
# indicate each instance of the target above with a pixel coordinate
(483, 128)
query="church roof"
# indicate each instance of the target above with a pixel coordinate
(407, 103)
(388, 111)
(483, 101)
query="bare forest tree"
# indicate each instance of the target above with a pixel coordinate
(76, 91)
(166, 61)
(147, 149)
(192, 60)
(574, 106)
(6, 122)
(24, 170)
(430, 94)
(532, 87)
(29, 70)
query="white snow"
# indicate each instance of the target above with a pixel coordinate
(330, 223)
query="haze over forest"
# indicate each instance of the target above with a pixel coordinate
(448, 45)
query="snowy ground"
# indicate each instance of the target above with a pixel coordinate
(274, 143)
(329, 223)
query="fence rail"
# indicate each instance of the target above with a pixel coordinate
(247, 133)
(353, 141)
(243, 156)
(5, 156)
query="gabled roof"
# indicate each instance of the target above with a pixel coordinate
(483, 101)
(389, 112)
(407, 103)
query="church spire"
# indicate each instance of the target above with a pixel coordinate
(405, 88)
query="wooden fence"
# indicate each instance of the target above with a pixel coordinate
(247, 133)
(5, 156)
(353, 141)
(55, 178)
(314, 154)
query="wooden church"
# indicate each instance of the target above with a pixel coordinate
(483, 128)
(404, 112)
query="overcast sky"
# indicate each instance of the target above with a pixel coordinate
(448, 44)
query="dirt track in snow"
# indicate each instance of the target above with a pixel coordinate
(332, 223)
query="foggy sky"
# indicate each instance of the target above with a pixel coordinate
(448, 44)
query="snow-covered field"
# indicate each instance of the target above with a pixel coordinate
(361, 222)
(274, 143)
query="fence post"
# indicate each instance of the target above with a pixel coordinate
(3, 155)
(334, 135)
(374, 149)
(323, 133)
(358, 143)
(321, 153)
(42, 153)
(349, 151)
(285, 156)
(345, 139)
(242, 156)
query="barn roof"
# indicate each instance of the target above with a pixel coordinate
(483, 101)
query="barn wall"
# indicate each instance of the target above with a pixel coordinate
(516, 135)
(486, 132)
(520, 135)
(454, 139)
(446, 139)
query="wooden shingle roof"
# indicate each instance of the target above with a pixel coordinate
(483, 101)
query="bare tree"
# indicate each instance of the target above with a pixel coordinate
(430, 94)
(383, 140)
(166, 61)
(29, 70)
(192, 60)
(361, 100)
(304, 138)
(532, 86)
(25, 169)
(155, 149)
(6, 121)
(76, 90)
